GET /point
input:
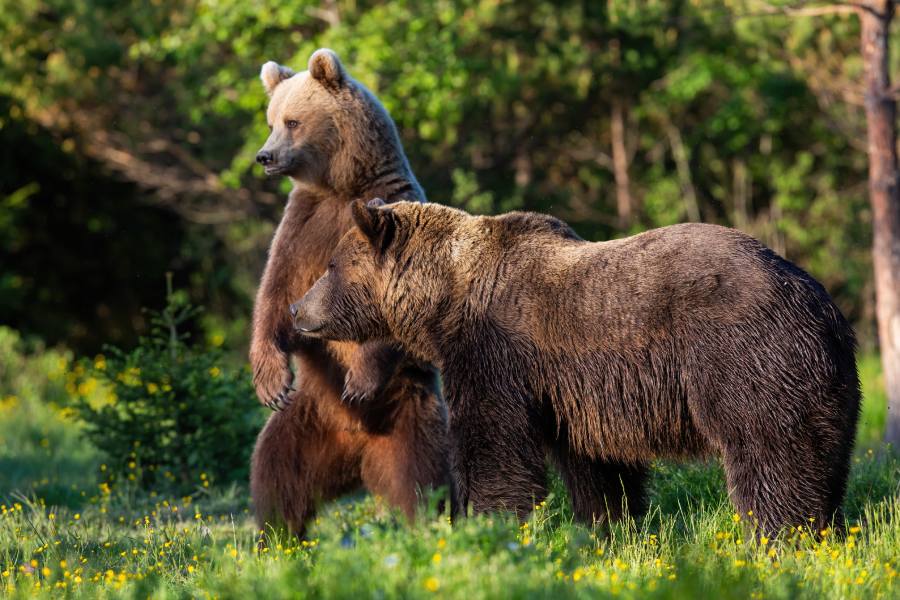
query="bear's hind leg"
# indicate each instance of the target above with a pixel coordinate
(412, 457)
(603, 491)
(280, 482)
(297, 462)
(780, 487)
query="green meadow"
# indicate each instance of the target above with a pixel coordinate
(67, 530)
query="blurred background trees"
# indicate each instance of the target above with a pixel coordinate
(884, 195)
(128, 130)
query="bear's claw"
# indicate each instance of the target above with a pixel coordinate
(358, 390)
(281, 401)
(350, 398)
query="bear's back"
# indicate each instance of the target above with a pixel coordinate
(654, 283)
(516, 224)
(691, 271)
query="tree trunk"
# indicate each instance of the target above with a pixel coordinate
(683, 166)
(741, 195)
(884, 195)
(620, 164)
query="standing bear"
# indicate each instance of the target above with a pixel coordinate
(685, 341)
(336, 142)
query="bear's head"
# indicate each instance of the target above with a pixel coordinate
(324, 124)
(388, 276)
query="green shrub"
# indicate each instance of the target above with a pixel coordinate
(169, 414)
(30, 371)
(42, 451)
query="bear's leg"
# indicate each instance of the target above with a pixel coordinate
(837, 489)
(412, 457)
(370, 371)
(839, 466)
(297, 462)
(497, 463)
(603, 491)
(780, 487)
(280, 482)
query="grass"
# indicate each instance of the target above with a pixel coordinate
(64, 532)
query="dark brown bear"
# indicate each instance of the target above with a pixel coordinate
(684, 341)
(336, 142)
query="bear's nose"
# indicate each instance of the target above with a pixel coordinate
(293, 310)
(264, 157)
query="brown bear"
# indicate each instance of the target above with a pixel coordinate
(685, 341)
(336, 142)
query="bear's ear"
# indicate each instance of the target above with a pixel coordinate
(326, 68)
(376, 222)
(272, 74)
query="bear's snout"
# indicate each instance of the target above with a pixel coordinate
(265, 158)
(303, 319)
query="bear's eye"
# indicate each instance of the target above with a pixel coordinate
(291, 124)
(270, 128)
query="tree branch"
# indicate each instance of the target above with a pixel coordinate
(803, 9)
(177, 179)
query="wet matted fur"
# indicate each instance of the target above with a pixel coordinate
(685, 341)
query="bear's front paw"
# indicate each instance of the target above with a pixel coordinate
(360, 387)
(273, 380)
(281, 400)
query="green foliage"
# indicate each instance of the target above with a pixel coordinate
(42, 451)
(30, 371)
(733, 116)
(169, 413)
(873, 416)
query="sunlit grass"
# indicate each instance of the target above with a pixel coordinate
(64, 530)
(116, 546)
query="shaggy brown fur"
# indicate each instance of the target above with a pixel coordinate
(337, 143)
(682, 341)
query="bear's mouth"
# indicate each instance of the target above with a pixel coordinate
(308, 328)
(284, 167)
